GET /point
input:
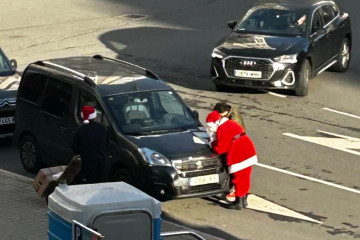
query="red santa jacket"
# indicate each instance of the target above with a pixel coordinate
(231, 139)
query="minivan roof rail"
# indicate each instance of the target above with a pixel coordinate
(147, 71)
(86, 79)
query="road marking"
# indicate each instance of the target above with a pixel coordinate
(308, 178)
(343, 113)
(342, 143)
(260, 204)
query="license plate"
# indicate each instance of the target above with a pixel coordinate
(201, 180)
(7, 120)
(247, 74)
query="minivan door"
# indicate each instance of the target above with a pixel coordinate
(58, 124)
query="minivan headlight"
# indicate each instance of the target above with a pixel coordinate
(154, 158)
(217, 53)
(287, 58)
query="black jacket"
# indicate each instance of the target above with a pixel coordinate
(91, 141)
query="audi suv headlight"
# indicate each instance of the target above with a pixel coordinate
(217, 53)
(287, 58)
(154, 158)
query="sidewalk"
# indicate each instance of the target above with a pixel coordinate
(23, 212)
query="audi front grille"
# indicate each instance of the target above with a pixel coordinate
(249, 64)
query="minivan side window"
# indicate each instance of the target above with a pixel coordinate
(57, 97)
(87, 99)
(32, 87)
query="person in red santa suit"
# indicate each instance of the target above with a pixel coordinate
(240, 154)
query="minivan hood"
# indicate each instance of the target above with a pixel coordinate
(174, 145)
(251, 45)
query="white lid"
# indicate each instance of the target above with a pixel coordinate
(83, 202)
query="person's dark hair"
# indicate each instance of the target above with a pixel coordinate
(222, 107)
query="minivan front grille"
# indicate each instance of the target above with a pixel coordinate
(197, 165)
(200, 173)
(249, 64)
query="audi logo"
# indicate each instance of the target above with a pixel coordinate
(248, 63)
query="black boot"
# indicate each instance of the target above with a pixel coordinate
(245, 203)
(236, 205)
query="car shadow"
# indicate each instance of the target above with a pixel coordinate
(165, 54)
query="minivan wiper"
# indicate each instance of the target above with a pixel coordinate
(145, 133)
(166, 131)
(139, 133)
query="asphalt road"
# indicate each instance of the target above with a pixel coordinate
(313, 173)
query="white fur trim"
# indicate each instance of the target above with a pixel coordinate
(92, 115)
(86, 121)
(244, 164)
(223, 120)
(211, 124)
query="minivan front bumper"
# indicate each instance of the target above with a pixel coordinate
(167, 183)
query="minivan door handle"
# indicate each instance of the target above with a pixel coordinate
(63, 128)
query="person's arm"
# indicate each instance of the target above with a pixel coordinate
(223, 142)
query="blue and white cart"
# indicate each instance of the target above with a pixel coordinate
(116, 210)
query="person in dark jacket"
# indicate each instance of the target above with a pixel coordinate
(91, 142)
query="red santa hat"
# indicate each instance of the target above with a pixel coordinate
(88, 113)
(213, 117)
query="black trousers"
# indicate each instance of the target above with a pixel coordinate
(91, 172)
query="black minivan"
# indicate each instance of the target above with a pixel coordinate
(156, 141)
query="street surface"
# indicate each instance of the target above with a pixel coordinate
(307, 185)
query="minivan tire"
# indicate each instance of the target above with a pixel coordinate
(343, 59)
(301, 88)
(30, 154)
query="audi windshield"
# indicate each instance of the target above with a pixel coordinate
(274, 22)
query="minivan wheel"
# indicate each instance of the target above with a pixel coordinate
(122, 175)
(343, 59)
(30, 154)
(302, 83)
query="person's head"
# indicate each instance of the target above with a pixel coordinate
(223, 109)
(88, 113)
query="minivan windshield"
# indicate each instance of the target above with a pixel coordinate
(274, 22)
(151, 112)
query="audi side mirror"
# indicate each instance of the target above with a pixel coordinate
(232, 24)
(13, 64)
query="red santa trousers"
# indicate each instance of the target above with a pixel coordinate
(241, 157)
(240, 153)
